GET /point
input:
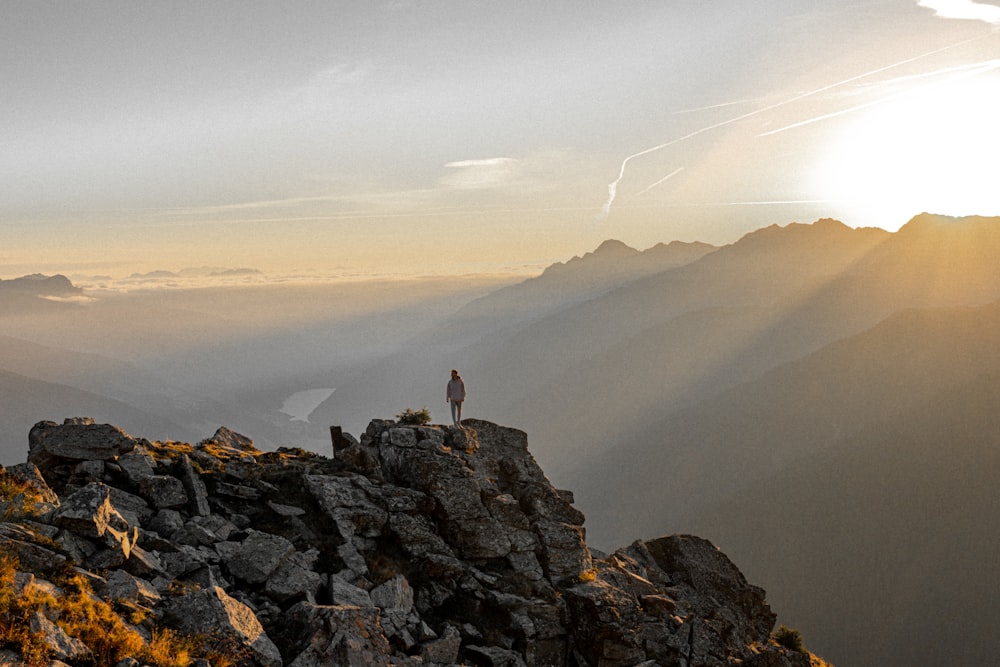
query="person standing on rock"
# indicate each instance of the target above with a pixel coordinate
(456, 396)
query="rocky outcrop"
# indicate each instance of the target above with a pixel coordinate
(413, 545)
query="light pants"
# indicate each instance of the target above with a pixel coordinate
(456, 412)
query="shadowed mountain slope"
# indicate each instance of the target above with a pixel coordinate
(703, 454)
(24, 398)
(407, 378)
(858, 480)
(894, 534)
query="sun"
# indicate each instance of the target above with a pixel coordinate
(935, 148)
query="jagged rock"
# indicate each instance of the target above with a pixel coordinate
(143, 563)
(166, 522)
(494, 656)
(230, 439)
(134, 509)
(435, 546)
(121, 585)
(340, 439)
(195, 487)
(50, 443)
(89, 513)
(30, 474)
(444, 650)
(327, 635)
(137, 464)
(347, 594)
(295, 577)
(285, 510)
(63, 646)
(214, 610)
(89, 471)
(393, 595)
(344, 500)
(256, 557)
(163, 491)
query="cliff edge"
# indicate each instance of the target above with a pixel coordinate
(415, 545)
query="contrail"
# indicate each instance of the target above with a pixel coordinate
(976, 70)
(613, 186)
(670, 175)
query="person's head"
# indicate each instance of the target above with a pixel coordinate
(454, 374)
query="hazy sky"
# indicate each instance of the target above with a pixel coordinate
(388, 136)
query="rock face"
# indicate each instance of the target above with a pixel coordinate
(413, 545)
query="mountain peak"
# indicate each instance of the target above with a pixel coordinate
(615, 248)
(412, 545)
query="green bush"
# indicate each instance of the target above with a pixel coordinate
(414, 417)
(788, 637)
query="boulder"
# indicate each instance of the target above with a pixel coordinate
(163, 491)
(336, 635)
(121, 585)
(343, 593)
(62, 646)
(255, 558)
(90, 514)
(213, 610)
(196, 490)
(50, 443)
(230, 439)
(295, 577)
(137, 464)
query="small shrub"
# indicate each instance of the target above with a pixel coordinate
(414, 417)
(789, 638)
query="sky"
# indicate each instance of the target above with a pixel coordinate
(388, 137)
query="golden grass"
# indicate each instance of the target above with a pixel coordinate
(19, 498)
(82, 615)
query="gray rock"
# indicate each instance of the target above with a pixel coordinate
(137, 464)
(90, 514)
(393, 595)
(237, 491)
(325, 635)
(257, 556)
(444, 650)
(62, 646)
(294, 577)
(29, 473)
(285, 510)
(121, 585)
(90, 471)
(133, 508)
(214, 608)
(344, 500)
(50, 443)
(195, 487)
(162, 491)
(494, 656)
(345, 593)
(225, 437)
(166, 522)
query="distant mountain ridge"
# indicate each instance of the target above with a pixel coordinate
(39, 285)
(695, 389)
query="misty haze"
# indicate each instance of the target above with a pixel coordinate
(808, 390)
(720, 279)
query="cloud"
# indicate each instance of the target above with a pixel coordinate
(479, 174)
(963, 9)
